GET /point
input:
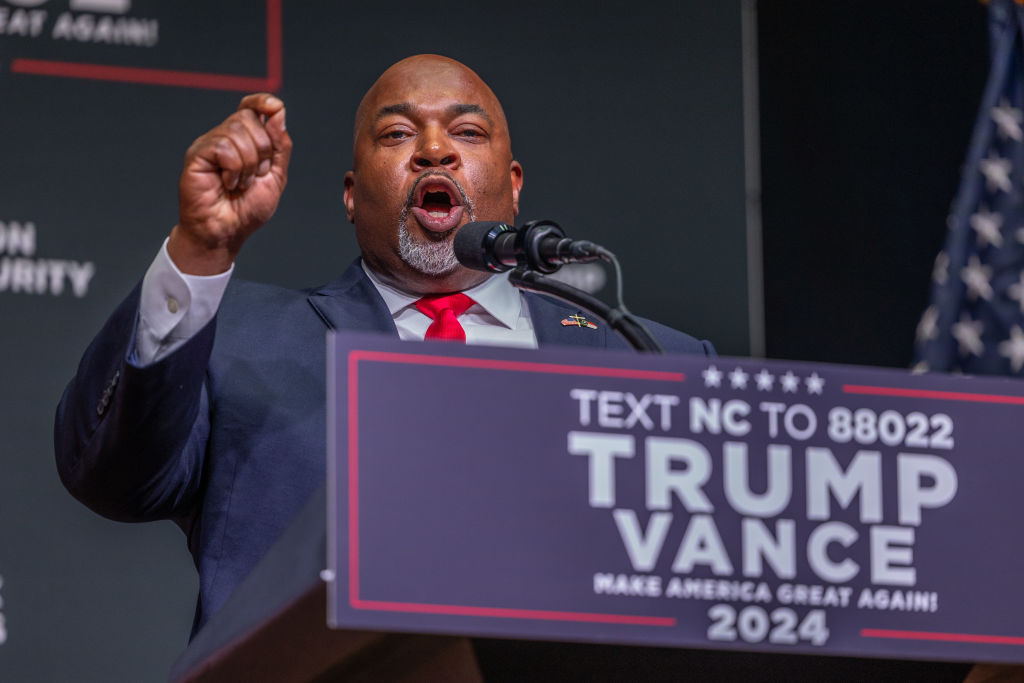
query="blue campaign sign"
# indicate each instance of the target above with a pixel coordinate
(674, 501)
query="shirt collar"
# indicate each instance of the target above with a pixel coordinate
(495, 295)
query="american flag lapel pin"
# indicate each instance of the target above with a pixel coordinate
(578, 321)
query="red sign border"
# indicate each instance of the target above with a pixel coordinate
(185, 79)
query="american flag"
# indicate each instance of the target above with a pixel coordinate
(975, 323)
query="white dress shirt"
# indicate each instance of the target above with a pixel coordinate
(174, 306)
(499, 316)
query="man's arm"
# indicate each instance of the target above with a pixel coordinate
(130, 440)
(131, 429)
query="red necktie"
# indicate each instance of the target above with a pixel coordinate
(444, 309)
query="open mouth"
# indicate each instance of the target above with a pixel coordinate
(438, 204)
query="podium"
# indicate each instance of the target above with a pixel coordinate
(720, 516)
(274, 629)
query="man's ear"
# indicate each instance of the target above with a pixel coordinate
(350, 200)
(516, 171)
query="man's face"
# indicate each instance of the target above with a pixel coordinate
(432, 153)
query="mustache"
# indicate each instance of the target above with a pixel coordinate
(434, 174)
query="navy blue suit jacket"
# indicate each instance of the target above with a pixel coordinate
(226, 435)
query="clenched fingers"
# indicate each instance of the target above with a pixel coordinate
(247, 133)
(271, 114)
(250, 143)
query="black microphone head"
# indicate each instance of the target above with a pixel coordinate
(474, 245)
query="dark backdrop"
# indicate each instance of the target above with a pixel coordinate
(866, 110)
(627, 118)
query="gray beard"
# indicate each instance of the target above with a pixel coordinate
(435, 256)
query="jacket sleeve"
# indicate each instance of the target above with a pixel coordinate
(130, 441)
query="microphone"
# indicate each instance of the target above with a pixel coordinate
(494, 247)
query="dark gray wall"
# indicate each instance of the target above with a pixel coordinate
(626, 118)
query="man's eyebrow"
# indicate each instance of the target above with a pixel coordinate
(401, 108)
(406, 108)
(459, 109)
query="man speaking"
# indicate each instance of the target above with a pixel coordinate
(203, 400)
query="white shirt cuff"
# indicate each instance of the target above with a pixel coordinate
(173, 307)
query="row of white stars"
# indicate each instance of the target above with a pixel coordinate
(764, 380)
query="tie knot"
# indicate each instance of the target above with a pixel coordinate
(444, 309)
(433, 305)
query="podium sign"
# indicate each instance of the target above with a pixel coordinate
(674, 501)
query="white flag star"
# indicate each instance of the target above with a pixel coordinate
(1016, 291)
(789, 381)
(814, 383)
(976, 277)
(765, 380)
(941, 270)
(928, 327)
(1008, 120)
(738, 379)
(968, 333)
(997, 172)
(987, 225)
(1013, 348)
(712, 377)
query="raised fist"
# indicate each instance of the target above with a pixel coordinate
(230, 186)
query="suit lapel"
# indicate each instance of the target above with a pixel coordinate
(352, 303)
(547, 315)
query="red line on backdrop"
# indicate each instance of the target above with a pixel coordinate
(929, 393)
(502, 612)
(188, 79)
(275, 59)
(516, 366)
(946, 637)
(128, 74)
(354, 358)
